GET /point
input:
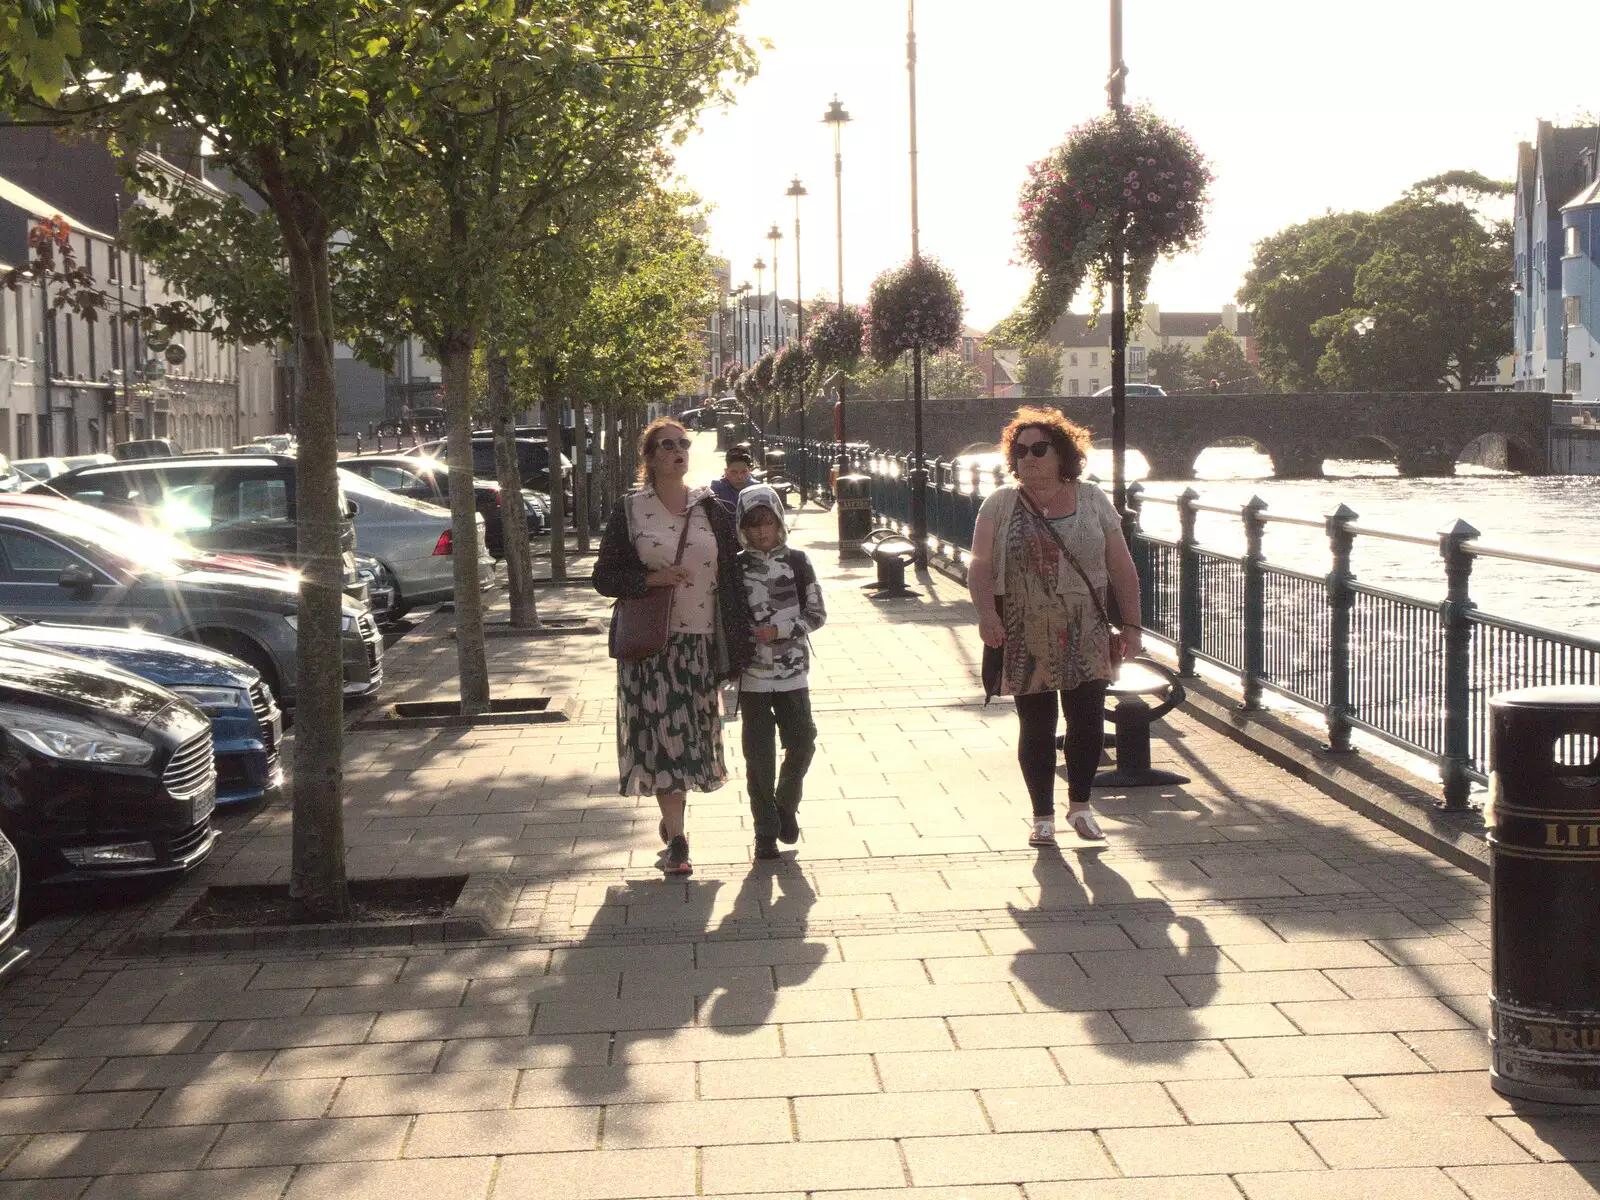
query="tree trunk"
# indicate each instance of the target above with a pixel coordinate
(608, 452)
(519, 556)
(558, 485)
(628, 447)
(580, 474)
(456, 366)
(317, 887)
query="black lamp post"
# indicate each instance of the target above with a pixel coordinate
(760, 266)
(797, 189)
(744, 324)
(774, 235)
(919, 472)
(1119, 311)
(836, 118)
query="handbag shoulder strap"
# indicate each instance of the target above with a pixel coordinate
(1099, 605)
(683, 538)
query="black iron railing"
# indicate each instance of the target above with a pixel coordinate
(1413, 672)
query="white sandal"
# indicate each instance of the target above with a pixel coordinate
(1085, 826)
(1044, 832)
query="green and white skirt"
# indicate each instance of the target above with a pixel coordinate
(669, 725)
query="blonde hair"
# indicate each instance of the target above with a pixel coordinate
(647, 445)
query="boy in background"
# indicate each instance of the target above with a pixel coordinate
(735, 478)
(774, 690)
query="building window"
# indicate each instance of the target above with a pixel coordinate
(966, 350)
(1094, 358)
(1574, 378)
(1073, 359)
(1572, 311)
(1094, 386)
(1072, 388)
(1574, 245)
(24, 436)
(1136, 359)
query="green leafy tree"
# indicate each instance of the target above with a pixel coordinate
(946, 376)
(1432, 305)
(1220, 358)
(1299, 276)
(531, 117)
(1172, 367)
(1039, 371)
(38, 40)
(296, 98)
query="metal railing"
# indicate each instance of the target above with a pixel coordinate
(1413, 672)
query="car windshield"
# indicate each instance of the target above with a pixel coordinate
(38, 469)
(133, 547)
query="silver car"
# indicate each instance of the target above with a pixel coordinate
(412, 541)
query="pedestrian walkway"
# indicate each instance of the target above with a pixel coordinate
(1249, 991)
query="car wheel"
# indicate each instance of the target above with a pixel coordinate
(245, 651)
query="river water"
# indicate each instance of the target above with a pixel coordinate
(1552, 514)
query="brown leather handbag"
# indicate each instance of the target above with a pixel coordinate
(639, 624)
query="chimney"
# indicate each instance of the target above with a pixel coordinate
(1152, 317)
(1230, 318)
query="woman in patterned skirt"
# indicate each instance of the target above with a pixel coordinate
(669, 728)
(1053, 632)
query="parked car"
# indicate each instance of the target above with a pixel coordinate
(74, 461)
(146, 448)
(275, 443)
(59, 563)
(1136, 389)
(412, 540)
(246, 726)
(39, 469)
(533, 461)
(428, 479)
(11, 954)
(235, 504)
(103, 775)
(380, 587)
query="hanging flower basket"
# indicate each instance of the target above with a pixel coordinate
(1130, 173)
(792, 367)
(917, 305)
(730, 375)
(760, 375)
(834, 339)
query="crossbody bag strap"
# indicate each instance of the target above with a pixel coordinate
(1099, 605)
(683, 538)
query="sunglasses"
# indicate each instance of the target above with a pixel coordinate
(1037, 449)
(673, 444)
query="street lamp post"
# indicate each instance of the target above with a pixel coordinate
(774, 235)
(760, 266)
(744, 324)
(919, 472)
(797, 189)
(1119, 311)
(836, 118)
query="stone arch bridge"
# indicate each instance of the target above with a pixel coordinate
(1423, 432)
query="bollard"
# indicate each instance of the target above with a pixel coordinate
(1544, 893)
(1132, 717)
(853, 494)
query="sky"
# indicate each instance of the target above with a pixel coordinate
(1300, 107)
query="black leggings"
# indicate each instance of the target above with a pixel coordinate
(1084, 707)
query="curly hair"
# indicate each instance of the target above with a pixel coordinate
(1071, 441)
(647, 445)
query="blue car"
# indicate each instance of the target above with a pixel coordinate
(246, 726)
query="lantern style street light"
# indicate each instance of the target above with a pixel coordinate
(1115, 83)
(775, 235)
(836, 118)
(919, 473)
(796, 190)
(739, 294)
(761, 328)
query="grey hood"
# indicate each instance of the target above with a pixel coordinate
(759, 495)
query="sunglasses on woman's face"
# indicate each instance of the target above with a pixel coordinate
(673, 444)
(1037, 449)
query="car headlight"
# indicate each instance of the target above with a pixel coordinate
(347, 623)
(76, 741)
(214, 701)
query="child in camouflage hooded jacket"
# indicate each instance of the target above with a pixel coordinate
(774, 691)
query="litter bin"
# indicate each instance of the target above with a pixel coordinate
(1544, 839)
(854, 496)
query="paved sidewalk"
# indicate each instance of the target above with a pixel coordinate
(1248, 992)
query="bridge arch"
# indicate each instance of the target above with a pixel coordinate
(1501, 451)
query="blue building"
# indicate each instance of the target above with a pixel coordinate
(1554, 172)
(1580, 292)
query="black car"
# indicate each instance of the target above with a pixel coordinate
(533, 461)
(11, 954)
(102, 774)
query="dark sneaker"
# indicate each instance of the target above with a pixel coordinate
(678, 857)
(766, 848)
(788, 828)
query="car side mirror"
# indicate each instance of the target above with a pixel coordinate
(77, 578)
(350, 510)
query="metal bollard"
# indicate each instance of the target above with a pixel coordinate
(1544, 895)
